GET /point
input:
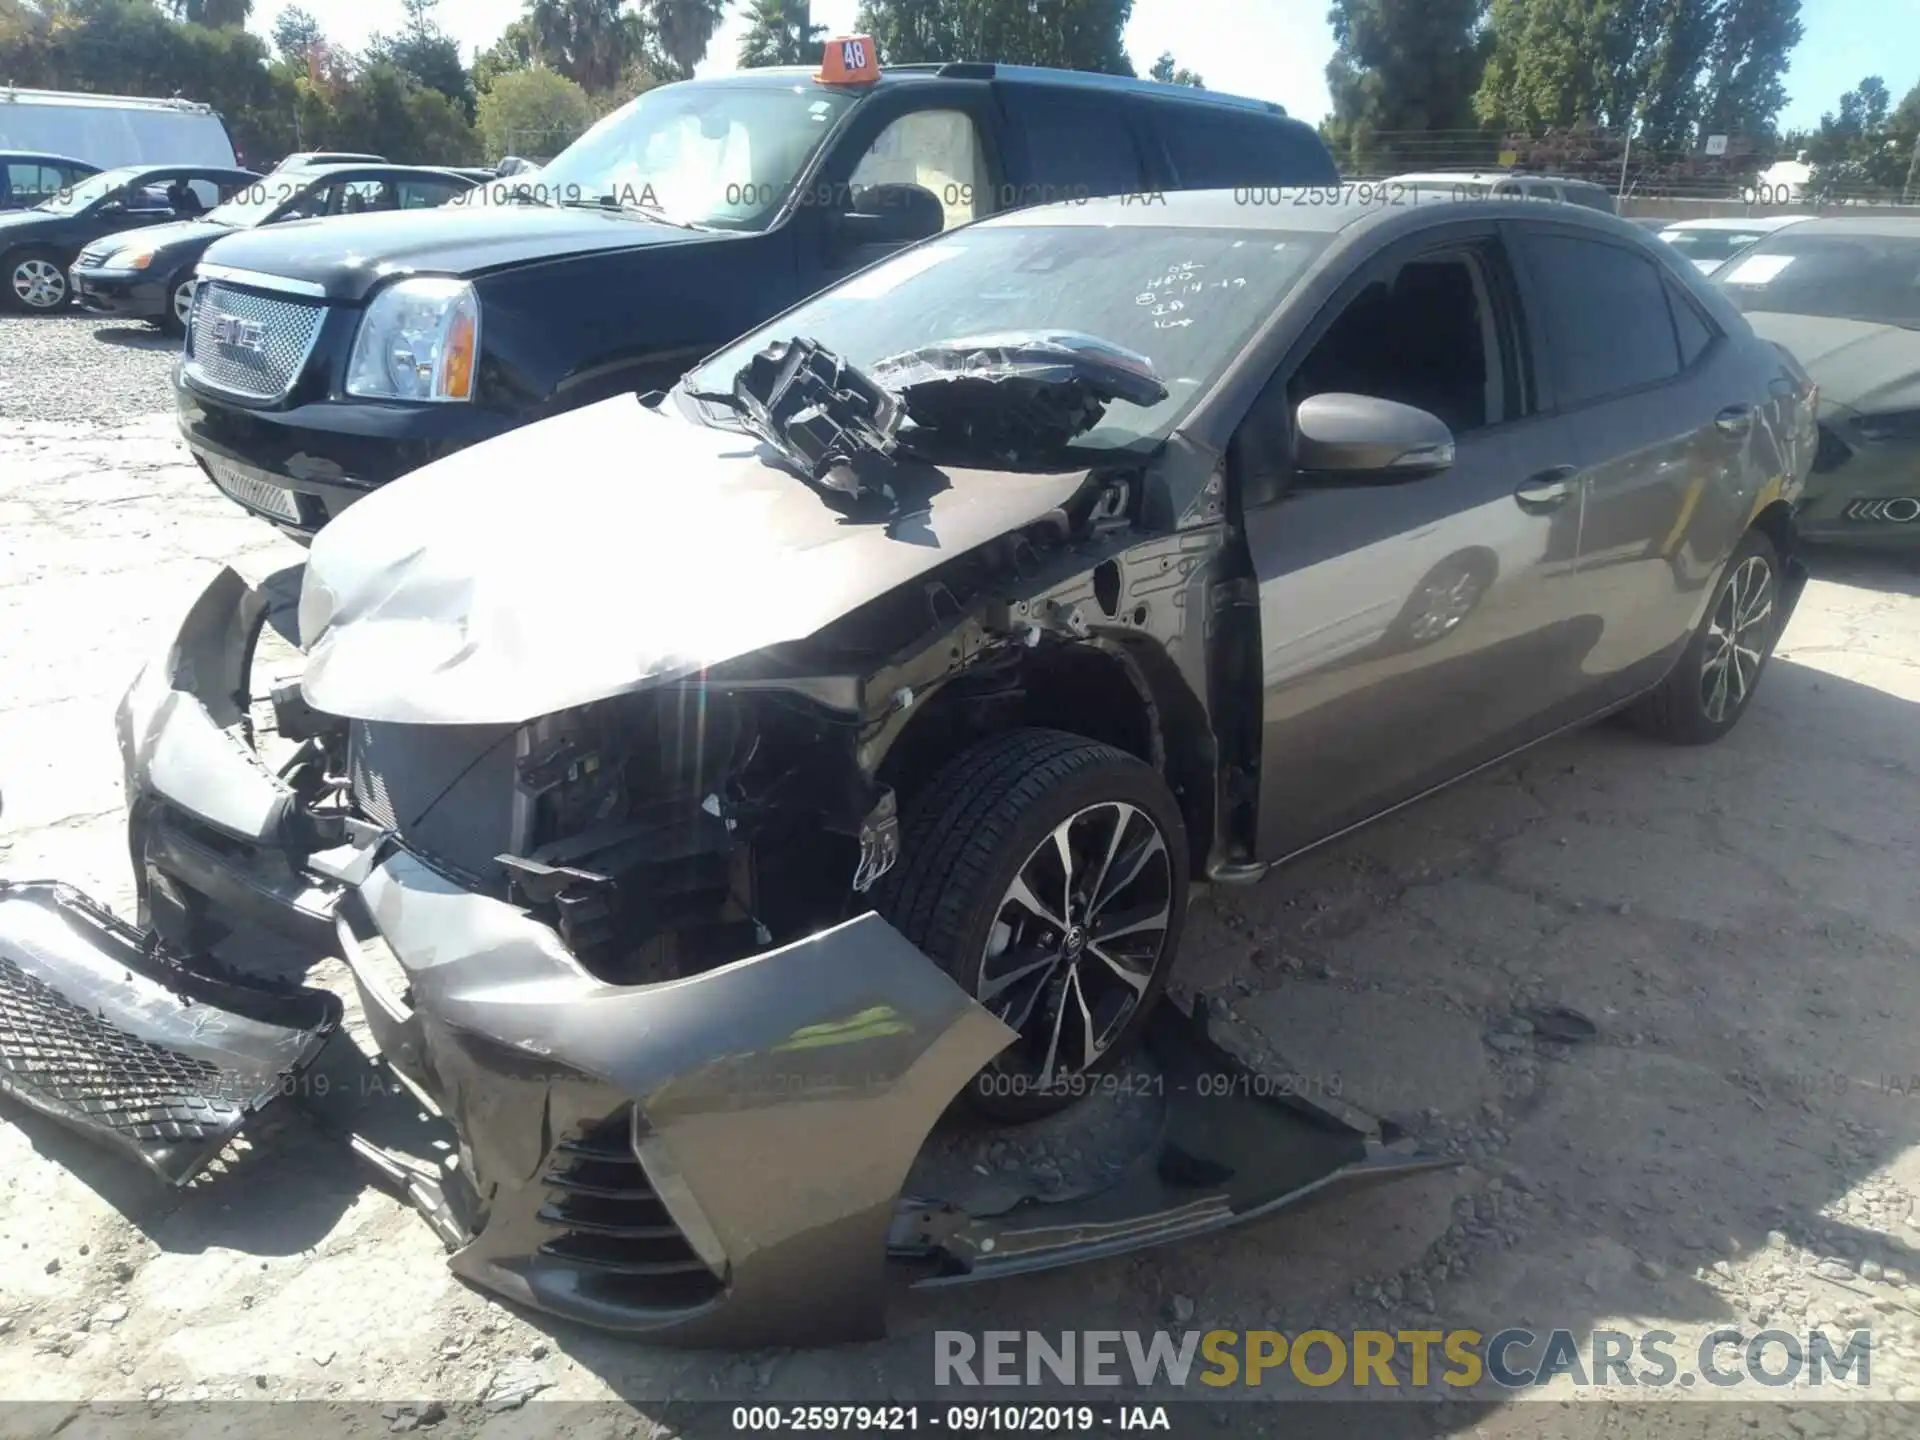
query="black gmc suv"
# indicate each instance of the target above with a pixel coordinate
(326, 358)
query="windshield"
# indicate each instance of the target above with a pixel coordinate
(1187, 300)
(1844, 277)
(1711, 244)
(702, 153)
(256, 203)
(85, 192)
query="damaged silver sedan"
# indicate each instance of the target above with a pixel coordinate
(709, 791)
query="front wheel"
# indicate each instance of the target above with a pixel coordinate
(173, 320)
(36, 281)
(1047, 874)
(1711, 687)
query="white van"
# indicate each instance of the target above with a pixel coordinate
(113, 130)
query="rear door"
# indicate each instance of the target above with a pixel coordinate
(1657, 407)
(1410, 631)
(1068, 144)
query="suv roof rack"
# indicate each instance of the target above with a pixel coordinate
(1090, 79)
(12, 94)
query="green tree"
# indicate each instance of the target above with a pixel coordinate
(780, 32)
(1745, 87)
(681, 31)
(214, 14)
(588, 41)
(1402, 66)
(432, 58)
(532, 112)
(295, 33)
(386, 111)
(1068, 34)
(1164, 70)
(512, 52)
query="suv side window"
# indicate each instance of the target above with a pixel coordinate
(1212, 147)
(938, 150)
(1608, 325)
(1077, 145)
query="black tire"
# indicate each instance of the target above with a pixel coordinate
(170, 320)
(973, 830)
(1681, 711)
(35, 262)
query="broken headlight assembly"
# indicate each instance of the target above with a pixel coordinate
(419, 340)
(665, 833)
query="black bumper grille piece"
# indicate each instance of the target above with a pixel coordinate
(447, 790)
(613, 1227)
(102, 1033)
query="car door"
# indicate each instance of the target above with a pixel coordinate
(1409, 631)
(908, 166)
(1656, 408)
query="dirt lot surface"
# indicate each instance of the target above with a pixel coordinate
(1735, 1149)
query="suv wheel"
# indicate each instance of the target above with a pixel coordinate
(1711, 687)
(173, 320)
(1047, 874)
(36, 280)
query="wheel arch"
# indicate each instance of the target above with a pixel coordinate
(1119, 691)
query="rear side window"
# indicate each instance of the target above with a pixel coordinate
(1215, 148)
(1694, 333)
(1077, 146)
(1606, 316)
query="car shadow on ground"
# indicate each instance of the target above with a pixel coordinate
(1888, 572)
(136, 337)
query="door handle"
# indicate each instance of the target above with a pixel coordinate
(1548, 490)
(1735, 420)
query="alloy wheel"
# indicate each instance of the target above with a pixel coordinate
(1737, 639)
(38, 284)
(182, 302)
(1077, 941)
(1444, 604)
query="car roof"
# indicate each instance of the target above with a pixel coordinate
(135, 173)
(895, 75)
(1492, 175)
(45, 157)
(336, 169)
(1735, 222)
(1268, 210)
(1895, 227)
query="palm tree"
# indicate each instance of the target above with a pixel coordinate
(585, 40)
(683, 29)
(781, 32)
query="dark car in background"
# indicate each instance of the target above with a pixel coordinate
(38, 246)
(1843, 294)
(148, 274)
(678, 221)
(29, 178)
(703, 789)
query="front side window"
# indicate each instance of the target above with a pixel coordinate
(703, 153)
(1445, 355)
(1868, 277)
(1187, 300)
(938, 150)
(1605, 312)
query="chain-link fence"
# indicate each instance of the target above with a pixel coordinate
(1732, 169)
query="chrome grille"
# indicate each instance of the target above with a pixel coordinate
(248, 344)
(252, 493)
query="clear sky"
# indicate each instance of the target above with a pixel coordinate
(1274, 49)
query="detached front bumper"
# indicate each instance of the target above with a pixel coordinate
(715, 1160)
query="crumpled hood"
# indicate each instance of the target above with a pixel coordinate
(1858, 365)
(601, 551)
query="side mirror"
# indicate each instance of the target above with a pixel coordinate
(1362, 437)
(893, 215)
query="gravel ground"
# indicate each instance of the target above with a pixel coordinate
(1737, 1148)
(82, 368)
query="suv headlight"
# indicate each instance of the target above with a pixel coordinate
(419, 340)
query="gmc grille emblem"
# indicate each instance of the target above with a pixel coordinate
(240, 333)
